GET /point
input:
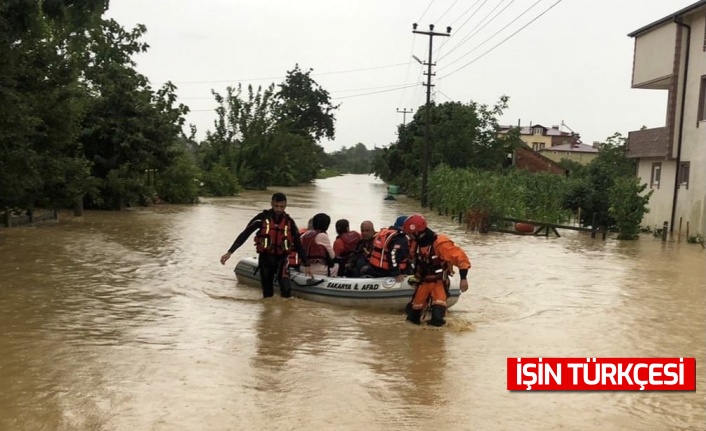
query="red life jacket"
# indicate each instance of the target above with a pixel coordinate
(380, 255)
(293, 255)
(315, 253)
(274, 238)
(350, 241)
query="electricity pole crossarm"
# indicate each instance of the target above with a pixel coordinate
(404, 113)
(427, 118)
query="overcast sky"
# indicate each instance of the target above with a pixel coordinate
(572, 63)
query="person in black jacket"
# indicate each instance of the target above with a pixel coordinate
(277, 235)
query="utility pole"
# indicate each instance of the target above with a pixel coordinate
(427, 117)
(404, 113)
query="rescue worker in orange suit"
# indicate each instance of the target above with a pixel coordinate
(390, 253)
(277, 235)
(434, 255)
(345, 245)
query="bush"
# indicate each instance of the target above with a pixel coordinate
(220, 182)
(628, 206)
(180, 183)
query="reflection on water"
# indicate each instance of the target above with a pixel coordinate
(124, 321)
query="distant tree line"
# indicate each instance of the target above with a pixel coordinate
(353, 160)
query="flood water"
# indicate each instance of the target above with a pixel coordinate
(127, 321)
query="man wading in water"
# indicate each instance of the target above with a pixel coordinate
(277, 235)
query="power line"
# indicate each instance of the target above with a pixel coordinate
(473, 14)
(444, 94)
(416, 96)
(406, 75)
(477, 30)
(493, 35)
(464, 12)
(282, 77)
(444, 14)
(502, 41)
(387, 89)
(374, 92)
(425, 10)
(429, 63)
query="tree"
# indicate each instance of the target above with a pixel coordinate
(463, 136)
(271, 138)
(41, 100)
(353, 160)
(129, 129)
(628, 205)
(304, 107)
(591, 186)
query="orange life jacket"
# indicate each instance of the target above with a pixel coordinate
(316, 253)
(380, 255)
(350, 241)
(274, 238)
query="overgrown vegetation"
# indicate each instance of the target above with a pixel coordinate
(79, 126)
(469, 173)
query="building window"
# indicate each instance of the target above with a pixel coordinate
(684, 174)
(656, 174)
(537, 131)
(702, 100)
(536, 146)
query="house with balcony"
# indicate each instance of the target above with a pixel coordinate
(670, 55)
(553, 143)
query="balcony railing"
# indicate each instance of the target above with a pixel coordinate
(649, 143)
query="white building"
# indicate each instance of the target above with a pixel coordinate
(670, 54)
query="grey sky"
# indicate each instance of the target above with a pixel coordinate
(573, 63)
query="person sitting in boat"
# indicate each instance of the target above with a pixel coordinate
(390, 254)
(359, 258)
(277, 235)
(435, 256)
(345, 244)
(294, 261)
(318, 249)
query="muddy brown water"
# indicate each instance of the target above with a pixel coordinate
(127, 321)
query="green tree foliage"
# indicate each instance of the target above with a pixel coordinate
(354, 160)
(462, 136)
(268, 138)
(590, 187)
(628, 205)
(128, 128)
(219, 181)
(180, 182)
(40, 100)
(305, 108)
(76, 119)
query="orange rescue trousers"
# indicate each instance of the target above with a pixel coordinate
(435, 289)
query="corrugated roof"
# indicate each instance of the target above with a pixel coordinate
(668, 18)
